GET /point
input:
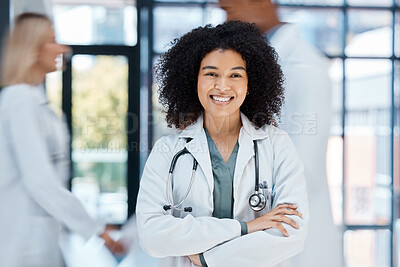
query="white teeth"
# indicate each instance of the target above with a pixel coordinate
(221, 99)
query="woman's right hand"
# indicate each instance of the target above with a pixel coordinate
(274, 219)
(116, 247)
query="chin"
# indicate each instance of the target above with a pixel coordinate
(222, 113)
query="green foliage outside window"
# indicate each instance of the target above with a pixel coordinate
(100, 103)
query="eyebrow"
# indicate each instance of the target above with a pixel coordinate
(215, 68)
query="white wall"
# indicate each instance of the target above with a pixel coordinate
(38, 6)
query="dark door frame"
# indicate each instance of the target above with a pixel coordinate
(4, 19)
(132, 53)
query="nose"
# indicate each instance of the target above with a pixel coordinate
(222, 84)
(64, 49)
(66, 52)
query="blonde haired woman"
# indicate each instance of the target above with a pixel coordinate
(34, 153)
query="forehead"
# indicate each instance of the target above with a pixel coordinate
(228, 58)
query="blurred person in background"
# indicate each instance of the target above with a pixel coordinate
(306, 117)
(34, 154)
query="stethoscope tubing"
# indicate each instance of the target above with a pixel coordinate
(169, 190)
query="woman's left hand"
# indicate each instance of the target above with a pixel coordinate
(195, 259)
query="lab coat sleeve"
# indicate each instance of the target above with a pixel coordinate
(270, 247)
(160, 233)
(38, 174)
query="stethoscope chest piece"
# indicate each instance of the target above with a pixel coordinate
(257, 201)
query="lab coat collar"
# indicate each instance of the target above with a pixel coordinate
(197, 127)
(41, 92)
(249, 127)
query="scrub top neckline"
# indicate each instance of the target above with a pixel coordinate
(234, 150)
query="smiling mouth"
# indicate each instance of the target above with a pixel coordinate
(221, 98)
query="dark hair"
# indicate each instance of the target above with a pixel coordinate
(177, 72)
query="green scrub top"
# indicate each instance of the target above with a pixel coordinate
(223, 179)
(223, 185)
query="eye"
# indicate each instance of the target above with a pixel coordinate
(236, 75)
(212, 74)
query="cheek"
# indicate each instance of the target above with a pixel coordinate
(202, 89)
(242, 90)
(48, 55)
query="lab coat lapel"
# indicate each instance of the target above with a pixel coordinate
(245, 153)
(247, 134)
(198, 147)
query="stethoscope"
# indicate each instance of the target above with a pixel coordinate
(257, 201)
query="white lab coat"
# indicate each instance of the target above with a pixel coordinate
(306, 118)
(171, 237)
(34, 171)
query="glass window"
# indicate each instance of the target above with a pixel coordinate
(396, 141)
(367, 143)
(167, 27)
(365, 248)
(114, 22)
(99, 140)
(397, 35)
(370, 33)
(311, 2)
(336, 75)
(396, 242)
(321, 28)
(370, 2)
(214, 15)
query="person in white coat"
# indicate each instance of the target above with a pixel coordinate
(306, 117)
(34, 154)
(237, 194)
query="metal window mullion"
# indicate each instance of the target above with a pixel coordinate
(367, 227)
(392, 124)
(66, 106)
(344, 40)
(149, 76)
(343, 6)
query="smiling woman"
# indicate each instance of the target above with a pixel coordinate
(222, 87)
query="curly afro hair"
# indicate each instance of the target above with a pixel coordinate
(177, 72)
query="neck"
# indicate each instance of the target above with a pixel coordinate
(217, 126)
(37, 76)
